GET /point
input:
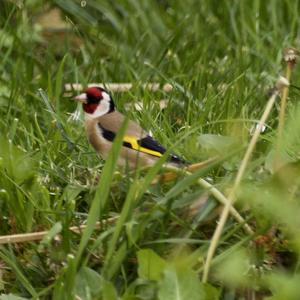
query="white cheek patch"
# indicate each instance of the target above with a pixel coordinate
(105, 96)
(102, 109)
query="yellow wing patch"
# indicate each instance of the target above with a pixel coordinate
(134, 144)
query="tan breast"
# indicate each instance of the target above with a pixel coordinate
(101, 145)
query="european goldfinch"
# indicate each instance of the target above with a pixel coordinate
(102, 121)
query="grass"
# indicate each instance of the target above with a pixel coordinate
(221, 58)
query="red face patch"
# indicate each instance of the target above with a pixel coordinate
(94, 92)
(90, 107)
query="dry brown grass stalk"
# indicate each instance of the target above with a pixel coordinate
(120, 87)
(171, 176)
(290, 57)
(282, 82)
(39, 235)
(175, 172)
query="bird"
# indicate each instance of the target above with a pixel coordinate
(103, 121)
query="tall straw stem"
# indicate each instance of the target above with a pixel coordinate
(281, 120)
(232, 196)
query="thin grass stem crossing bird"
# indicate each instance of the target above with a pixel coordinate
(102, 122)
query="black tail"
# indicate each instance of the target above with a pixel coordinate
(177, 160)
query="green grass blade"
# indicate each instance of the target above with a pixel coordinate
(10, 260)
(59, 83)
(102, 191)
(56, 117)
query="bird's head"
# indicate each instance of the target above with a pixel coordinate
(96, 101)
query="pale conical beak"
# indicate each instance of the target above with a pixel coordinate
(81, 98)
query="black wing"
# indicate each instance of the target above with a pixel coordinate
(149, 143)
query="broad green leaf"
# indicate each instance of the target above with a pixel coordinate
(151, 266)
(17, 170)
(233, 269)
(109, 291)
(211, 293)
(88, 283)
(283, 286)
(69, 196)
(180, 284)
(141, 289)
(17, 163)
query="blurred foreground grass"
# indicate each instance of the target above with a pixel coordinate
(221, 57)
